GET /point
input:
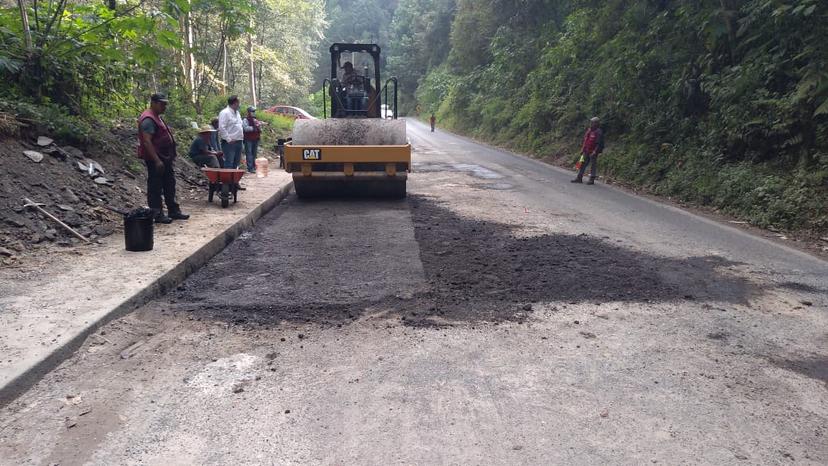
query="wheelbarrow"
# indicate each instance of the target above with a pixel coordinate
(225, 182)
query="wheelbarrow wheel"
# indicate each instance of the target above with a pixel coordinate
(225, 194)
(210, 194)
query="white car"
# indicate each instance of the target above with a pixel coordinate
(386, 111)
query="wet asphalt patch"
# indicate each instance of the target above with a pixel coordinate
(474, 271)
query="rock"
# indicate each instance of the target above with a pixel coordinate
(807, 303)
(34, 156)
(72, 219)
(70, 196)
(5, 252)
(101, 180)
(588, 335)
(104, 230)
(55, 152)
(73, 151)
(15, 222)
(94, 168)
(66, 208)
(83, 167)
(605, 413)
(43, 141)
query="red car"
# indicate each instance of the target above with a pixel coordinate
(293, 112)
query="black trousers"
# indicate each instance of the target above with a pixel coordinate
(159, 184)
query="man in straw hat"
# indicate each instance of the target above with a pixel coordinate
(200, 150)
(593, 145)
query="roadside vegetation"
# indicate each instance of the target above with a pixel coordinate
(71, 67)
(720, 103)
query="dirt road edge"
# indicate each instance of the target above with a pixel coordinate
(171, 279)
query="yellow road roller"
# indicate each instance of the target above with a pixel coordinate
(362, 149)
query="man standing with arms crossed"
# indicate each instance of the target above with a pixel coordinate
(593, 145)
(231, 133)
(156, 147)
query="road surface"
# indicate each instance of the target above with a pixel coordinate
(499, 315)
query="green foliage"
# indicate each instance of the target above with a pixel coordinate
(52, 119)
(722, 103)
(278, 126)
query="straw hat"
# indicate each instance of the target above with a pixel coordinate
(206, 129)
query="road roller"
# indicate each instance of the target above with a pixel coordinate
(360, 150)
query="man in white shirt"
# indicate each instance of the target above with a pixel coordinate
(231, 133)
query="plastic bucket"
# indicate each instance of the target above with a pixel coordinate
(138, 233)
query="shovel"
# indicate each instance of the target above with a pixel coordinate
(36, 205)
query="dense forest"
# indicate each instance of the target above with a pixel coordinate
(722, 103)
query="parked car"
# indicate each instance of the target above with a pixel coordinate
(386, 111)
(293, 112)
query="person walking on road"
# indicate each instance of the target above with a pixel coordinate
(252, 133)
(433, 121)
(592, 146)
(231, 133)
(156, 147)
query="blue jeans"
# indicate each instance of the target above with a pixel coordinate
(251, 149)
(232, 153)
(593, 162)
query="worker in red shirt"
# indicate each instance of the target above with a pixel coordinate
(593, 145)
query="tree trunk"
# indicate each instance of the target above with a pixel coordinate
(189, 57)
(24, 17)
(224, 70)
(252, 71)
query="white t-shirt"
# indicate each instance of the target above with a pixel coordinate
(230, 125)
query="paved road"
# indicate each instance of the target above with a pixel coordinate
(499, 315)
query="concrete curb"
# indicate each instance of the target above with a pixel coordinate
(171, 279)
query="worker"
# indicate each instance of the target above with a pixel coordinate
(433, 121)
(354, 88)
(231, 134)
(350, 77)
(214, 139)
(592, 146)
(156, 147)
(215, 146)
(252, 133)
(201, 153)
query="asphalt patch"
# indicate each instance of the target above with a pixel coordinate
(475, 271)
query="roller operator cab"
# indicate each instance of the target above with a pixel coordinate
(362, 149)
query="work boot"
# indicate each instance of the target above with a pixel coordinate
(577, 179)
(161, 218)
(591, 181)
(240, 187)
(179, 216)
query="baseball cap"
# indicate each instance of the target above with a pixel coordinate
(251, 109)
(159, 97)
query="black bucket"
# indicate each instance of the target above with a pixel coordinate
(138, 230)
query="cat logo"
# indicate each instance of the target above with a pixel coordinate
(311, 154)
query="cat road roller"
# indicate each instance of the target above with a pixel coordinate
(355, 152)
